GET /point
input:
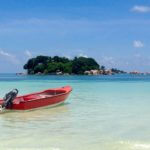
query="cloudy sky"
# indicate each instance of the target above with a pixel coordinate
(115, 32)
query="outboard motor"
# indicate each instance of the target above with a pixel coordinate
(8, 99)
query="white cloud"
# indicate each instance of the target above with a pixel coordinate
(9, 57)
(108, 60)
(141, 9)
(5, 54)
(67, 56)
(138, 44)
(83, 55)
(137, 55)
(28, 53)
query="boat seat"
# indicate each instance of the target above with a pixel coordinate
(18, 100)
(44, 95)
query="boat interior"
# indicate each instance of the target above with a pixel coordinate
(45, 94)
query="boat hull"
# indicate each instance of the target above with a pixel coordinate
(33, 103)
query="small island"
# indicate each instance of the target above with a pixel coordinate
(63, 66)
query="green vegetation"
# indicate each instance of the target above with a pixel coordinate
(56, 64)
(114, 70)
(63, 65)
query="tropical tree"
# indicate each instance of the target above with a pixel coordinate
(51, 65)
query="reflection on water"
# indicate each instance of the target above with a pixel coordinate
(44, 113)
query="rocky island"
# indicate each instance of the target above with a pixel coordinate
(63, 66)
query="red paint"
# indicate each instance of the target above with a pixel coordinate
(40, 99)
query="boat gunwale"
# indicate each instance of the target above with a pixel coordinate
(45, 97)
(66, 92)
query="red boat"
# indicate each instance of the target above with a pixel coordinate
(50, 97)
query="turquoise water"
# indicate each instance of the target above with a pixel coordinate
(102, 113)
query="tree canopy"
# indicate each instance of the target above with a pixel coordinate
(52, 65)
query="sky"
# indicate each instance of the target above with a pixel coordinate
(114, 32)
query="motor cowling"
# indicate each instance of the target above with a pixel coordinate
(8, 99)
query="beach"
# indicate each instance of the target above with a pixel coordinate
(102, 113)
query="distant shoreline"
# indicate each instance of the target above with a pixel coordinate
(25, 74)
(64, 66)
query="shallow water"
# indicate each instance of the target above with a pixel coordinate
(102, 113)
